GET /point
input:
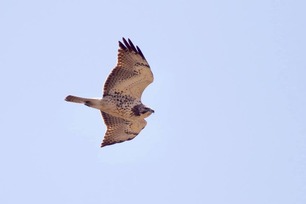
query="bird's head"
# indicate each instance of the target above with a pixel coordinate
(145, 111)
(142, 111)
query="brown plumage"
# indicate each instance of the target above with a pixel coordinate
(121, 106)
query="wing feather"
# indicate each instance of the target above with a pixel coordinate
(132, 73)
(120, 130)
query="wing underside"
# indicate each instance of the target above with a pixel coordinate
(132, 73)
(120, 130)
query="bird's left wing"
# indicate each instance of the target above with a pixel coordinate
(120, 130)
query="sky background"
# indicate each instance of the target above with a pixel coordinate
(229, 97)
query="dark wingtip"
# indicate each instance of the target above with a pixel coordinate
(139, 52)
(121, 45)
(128, 45)
(132, 45)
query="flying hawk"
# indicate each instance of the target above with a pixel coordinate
(121, 106)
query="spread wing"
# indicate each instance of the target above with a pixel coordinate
(132, 73)
(120, 130)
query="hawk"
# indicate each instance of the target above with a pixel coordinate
(121, 106)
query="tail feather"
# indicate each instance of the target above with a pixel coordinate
(91, 102)
(76, 99)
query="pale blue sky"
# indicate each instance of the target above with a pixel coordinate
(229, 101)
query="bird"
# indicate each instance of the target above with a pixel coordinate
(121, 107)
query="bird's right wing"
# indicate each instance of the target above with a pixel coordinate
(132, 73)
